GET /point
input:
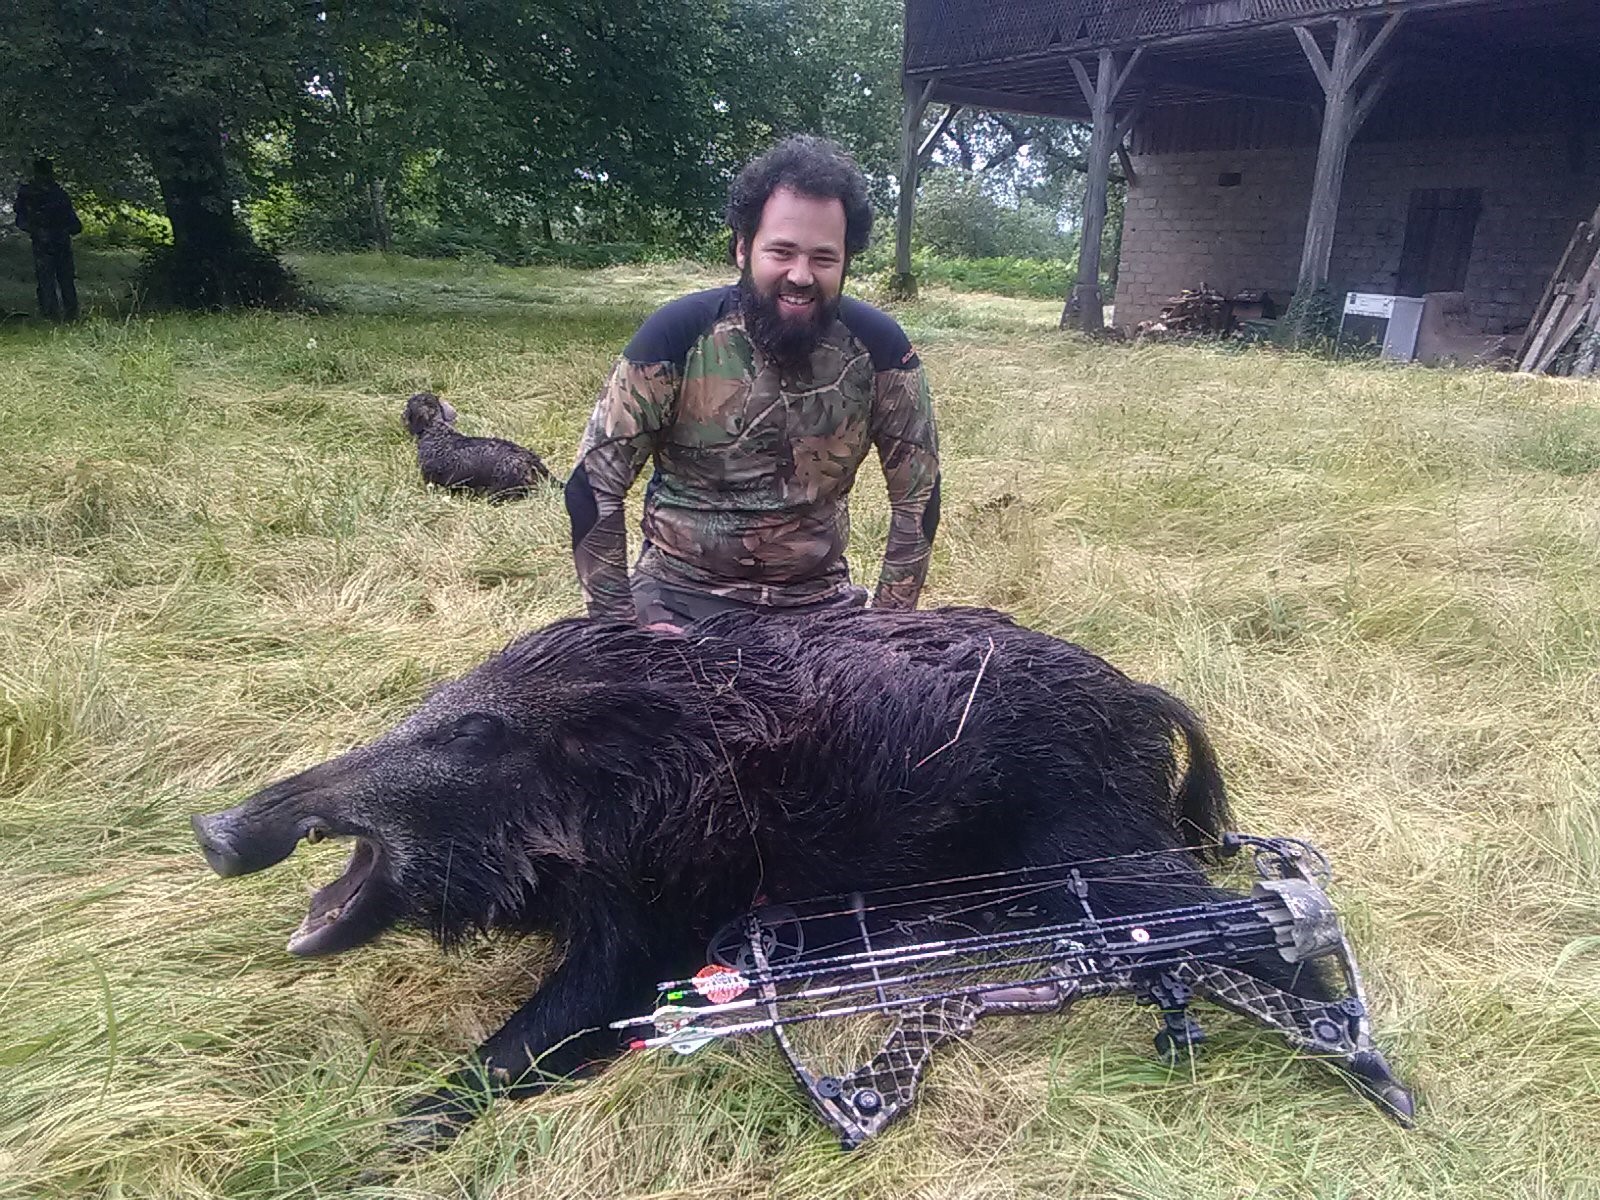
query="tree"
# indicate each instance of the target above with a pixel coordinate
(605, 119)
(828, 67)
(177, 87)
(1029, 162)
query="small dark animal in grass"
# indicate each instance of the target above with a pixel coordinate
(497, 468)
(629, 791)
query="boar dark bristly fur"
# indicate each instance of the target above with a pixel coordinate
(628, 791)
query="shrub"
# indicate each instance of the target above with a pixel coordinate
(957, 218)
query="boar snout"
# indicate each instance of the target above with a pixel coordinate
(234, 847)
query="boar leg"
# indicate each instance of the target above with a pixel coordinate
(560, 1033)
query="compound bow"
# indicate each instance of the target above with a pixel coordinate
(781, 968)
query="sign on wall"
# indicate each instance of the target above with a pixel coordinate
(1368, 304)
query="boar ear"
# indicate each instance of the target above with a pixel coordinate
(614, 722)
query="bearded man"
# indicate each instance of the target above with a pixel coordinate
(757, 403)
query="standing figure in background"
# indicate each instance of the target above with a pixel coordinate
(756, 403)
(44, 212)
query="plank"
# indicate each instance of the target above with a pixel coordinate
(1559, 330)
(1576, 263)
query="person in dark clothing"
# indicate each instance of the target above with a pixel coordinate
(44, 212)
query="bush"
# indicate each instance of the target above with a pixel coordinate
(116, 225)
(509, 249)
(957, 218)
(250, 277)
(1025, 278)
(1311, 322)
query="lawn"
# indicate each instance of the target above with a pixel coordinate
(1381, 587)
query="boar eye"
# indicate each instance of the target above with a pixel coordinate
(476, 729)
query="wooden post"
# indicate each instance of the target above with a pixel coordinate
(904, 284)
(1344, 111)
(1107, 132)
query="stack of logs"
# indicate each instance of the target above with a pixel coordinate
(1202, 310)
(1569, 314)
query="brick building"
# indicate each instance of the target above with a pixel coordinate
(1404, 147)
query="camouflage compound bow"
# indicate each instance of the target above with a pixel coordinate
(784, 969)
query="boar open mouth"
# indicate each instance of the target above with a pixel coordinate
(349, 911)
(262, 832)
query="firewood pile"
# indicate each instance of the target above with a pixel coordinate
(1196, 311)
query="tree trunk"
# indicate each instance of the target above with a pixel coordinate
(382, 232)
(214, 262)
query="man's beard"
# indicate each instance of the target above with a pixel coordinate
(787, 341)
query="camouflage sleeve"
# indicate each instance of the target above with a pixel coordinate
(908, 447)
(634, 406)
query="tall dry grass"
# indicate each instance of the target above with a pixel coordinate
(217, 564)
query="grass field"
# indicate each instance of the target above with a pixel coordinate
(217, 565)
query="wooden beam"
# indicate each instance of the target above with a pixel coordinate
(1125, 126)
(950, 115)
(1082, 73)
(1125, 160)
(1579, 244)
(1382, 38)
(1373, 93)
(1192, 37)
(1224, 84)
(1009, 102)
(1308, 43)
(1344, 110)
(1127, 70)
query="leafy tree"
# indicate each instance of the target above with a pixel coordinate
(164, 93)
(957, 217)
(1026, 164)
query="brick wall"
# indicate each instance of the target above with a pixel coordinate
(1182, 228)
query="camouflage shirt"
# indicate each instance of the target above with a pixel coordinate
(754, 464)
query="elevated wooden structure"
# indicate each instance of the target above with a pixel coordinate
(1118, 65)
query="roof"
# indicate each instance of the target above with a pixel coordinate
(1013, 56)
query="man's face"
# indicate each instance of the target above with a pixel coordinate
(793, 271)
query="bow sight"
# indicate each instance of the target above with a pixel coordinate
(869, 966)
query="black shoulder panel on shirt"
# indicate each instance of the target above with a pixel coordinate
(582, 507)
(880, 333)
(669, 333)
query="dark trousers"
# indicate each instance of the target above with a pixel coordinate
(53, 272)
(654, 602)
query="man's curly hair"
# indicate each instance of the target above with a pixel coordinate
(813, 167)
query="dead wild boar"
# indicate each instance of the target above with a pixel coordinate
(628, 791)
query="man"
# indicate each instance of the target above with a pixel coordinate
(757, 403)
(44, 212)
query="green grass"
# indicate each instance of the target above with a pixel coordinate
(217, 565)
